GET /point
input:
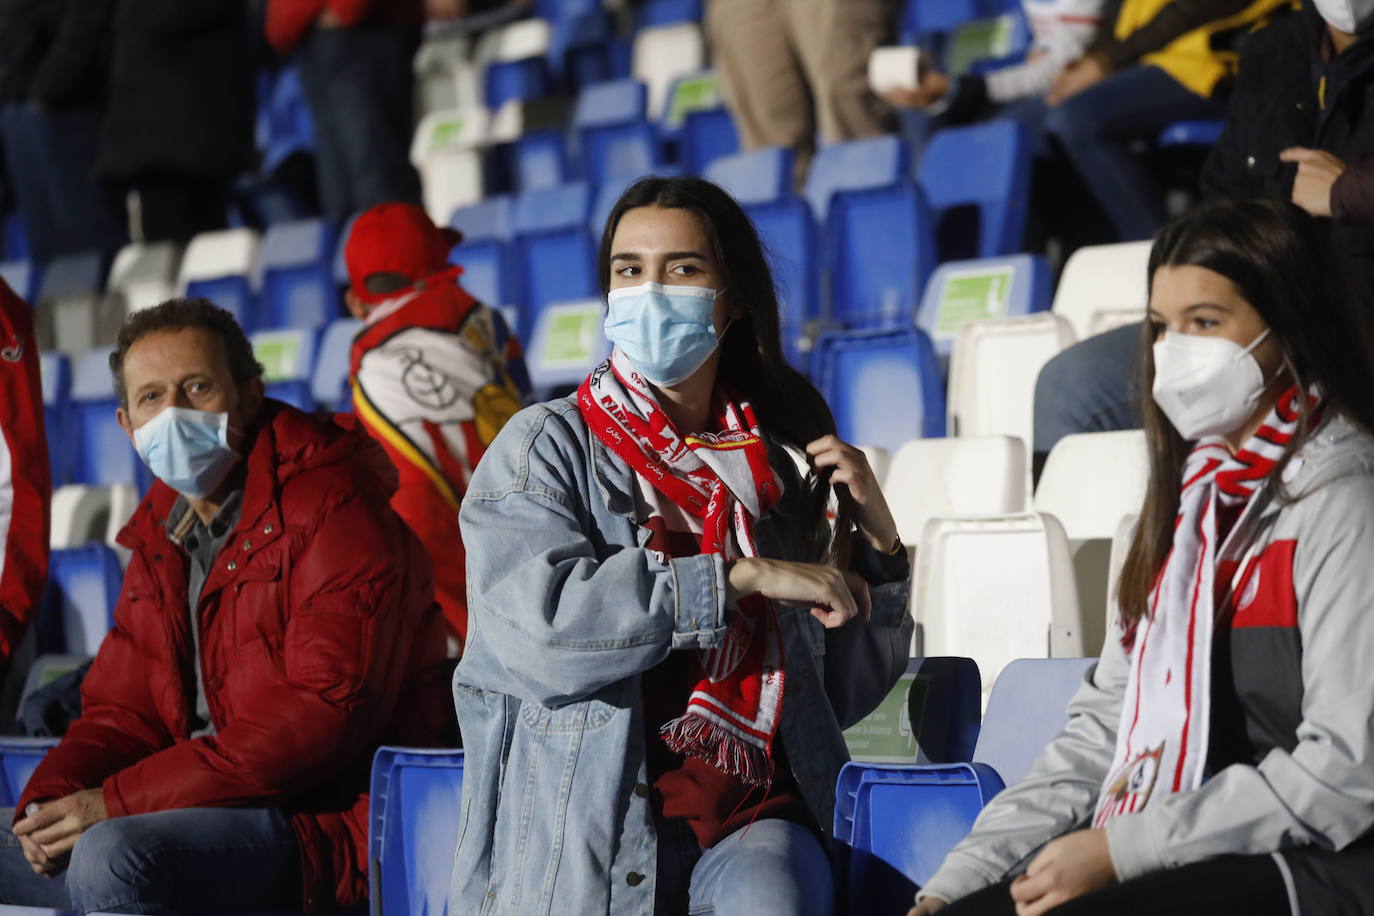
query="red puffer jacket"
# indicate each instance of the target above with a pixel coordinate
(320, 641)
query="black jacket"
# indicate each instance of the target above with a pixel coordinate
(54, 52)
(181, 95)
(1275, 105)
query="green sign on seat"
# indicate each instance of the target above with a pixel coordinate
(970, 295)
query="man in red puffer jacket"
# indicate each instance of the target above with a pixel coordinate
(277, 624)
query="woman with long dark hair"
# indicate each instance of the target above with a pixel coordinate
(1220, 757)
(667, 630)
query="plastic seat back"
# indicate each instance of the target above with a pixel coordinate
(862, 374)
(1103, 286)
(102, 454)
(789, 235)
(554, 252)
(661, 54)
(985, 168)
(298, 289)
(758, 177)
(288, 360)
(979, 475)
(859, 165)
(223, 267)
(1026, 710)
(416, 799)
(329, 384)
(79, 602)
(69, 302)
(930, 716)
(568, 342)
(19, 757)
(445, 151)
(707, 136)
(145, 274)
(962, 291)
(881, 249)
(21, 277)
(55, 370)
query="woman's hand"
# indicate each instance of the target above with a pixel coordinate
(927, 907)
(1317, 174)
(1077, 863)
(835, 597)
(851, 468)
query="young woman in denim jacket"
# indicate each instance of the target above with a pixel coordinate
(1220, 756)
(666, 637)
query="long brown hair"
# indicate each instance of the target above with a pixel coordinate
(1282, 263)
(789, 407)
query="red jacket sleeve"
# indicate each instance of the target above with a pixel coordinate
(25, 480)
(346, 648)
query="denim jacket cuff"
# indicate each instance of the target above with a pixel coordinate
(699, 587)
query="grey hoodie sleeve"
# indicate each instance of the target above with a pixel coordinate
(1058, 793)
(1323, 792)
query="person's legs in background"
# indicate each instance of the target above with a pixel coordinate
(359, 84)
(761, 78)
(1088, 388)
(178, 207)
(833, 40)
(1096, 128)
(189, 859)
(770, 866)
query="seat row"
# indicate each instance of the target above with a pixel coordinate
(893, 824)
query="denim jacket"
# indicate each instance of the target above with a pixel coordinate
(567, 610)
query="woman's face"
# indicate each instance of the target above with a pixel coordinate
(1194, 300)
(671, 247)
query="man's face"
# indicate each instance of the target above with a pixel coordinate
(185, 368)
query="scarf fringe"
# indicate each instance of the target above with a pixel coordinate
(693, 735)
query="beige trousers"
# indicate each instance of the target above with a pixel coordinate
(789, 68)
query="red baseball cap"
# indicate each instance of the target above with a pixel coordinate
(395, 239)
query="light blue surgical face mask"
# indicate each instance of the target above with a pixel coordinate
(666, 331)
(187, 449)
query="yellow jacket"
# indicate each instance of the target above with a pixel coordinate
(1190, 58)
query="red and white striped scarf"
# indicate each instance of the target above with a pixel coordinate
(1161, 745)
(724, 481)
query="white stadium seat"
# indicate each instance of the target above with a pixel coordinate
(661, 55)
(980, 475)
(1104, 286)
(145, 274)
(227, 253)
(446, 150)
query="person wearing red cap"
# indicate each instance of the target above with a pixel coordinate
(434, 374)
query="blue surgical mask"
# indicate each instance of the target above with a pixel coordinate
(187, 449)
(666, 331)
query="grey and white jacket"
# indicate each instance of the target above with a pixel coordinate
(1301, 638)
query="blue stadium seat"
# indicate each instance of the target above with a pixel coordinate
(668, 12)
(516, 79)
(102, 453)
(284, 123)
(1191, 133)
(982, 170)
(761, 176)
(298, 287)
(579, 51)
(79, 601)
(896, 824)
(614, 138)
(56, 371)
(960, 291)
(21, 277)
(789, 235)
(929, 716)
(554, 253)
(863, 373)
(859, 165)
(340, 268)
(540, 160)
(707, 136)
(19, 757)
(288, 358)
(880, 248)
(233, 293)
(484, 254)
(556, 10)
(416, 800)
(329, 384)
(921, 19)
(16, 238)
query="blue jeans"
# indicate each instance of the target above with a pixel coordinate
(1097, 127)
(358, 83)
(770, 866)
(181, 861)
(1089, 388)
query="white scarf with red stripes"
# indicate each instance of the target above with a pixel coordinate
(1161, 746)
(724, 481)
